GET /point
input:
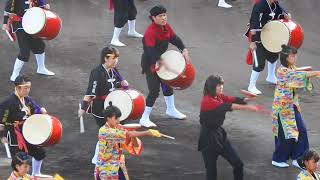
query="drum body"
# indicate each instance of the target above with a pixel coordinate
(130, 102)
(42, 129)
(276, 33)
(177, 72)
(41, 23)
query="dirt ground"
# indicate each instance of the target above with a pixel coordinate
(214, 37)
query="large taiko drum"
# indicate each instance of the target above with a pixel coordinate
(41, 23)
(176, 71)
(42, 129)
(130, 102)
(279, 32)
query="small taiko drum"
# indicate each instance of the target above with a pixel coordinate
(176, 72)
(132, 127)
(41, 23)
(130, 102)
(276, 33)
(42, 129)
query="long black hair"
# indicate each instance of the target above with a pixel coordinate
(211, 83)
(285, 52)
(107, 51)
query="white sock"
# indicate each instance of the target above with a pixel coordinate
(40, 60)
(253, 78)
(131, 26)
(16, 69)
(116, 34)
(36, 166)
(146, 114)
(96, 153)
(170, 102)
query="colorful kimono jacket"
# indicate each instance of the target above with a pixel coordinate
(112, 142)
(14, 176)
(285, 97)
(305, 175)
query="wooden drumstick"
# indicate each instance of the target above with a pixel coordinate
(81, 121)
(254, 54)
(6, 145)
(166, 136)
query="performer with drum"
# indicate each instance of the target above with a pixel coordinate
(104, 79)
(26, 41)
(213, 141)
(155, 42)
(14, 110)
(262, 12)
(291, 139)
(124, 11)
(113, 140)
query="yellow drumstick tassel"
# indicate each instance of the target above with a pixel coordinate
(57, 177)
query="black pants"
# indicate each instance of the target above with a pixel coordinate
(35, 151)
(262, 56)
(210, 157)
(28, 42)
(154, 84)
(124, 10)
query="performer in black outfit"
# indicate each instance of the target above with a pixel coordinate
(263, 11)
(213, 140)
(124, 11)
(155, 42)
(26, 41)
(14, 110)
(103, 79)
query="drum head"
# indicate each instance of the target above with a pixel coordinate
(34, 20)
(37, 129)
(273, 35)
(122, 100)
(175, 62)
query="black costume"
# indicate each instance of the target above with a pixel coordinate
(155, 42)
(262, 13)
(26, 41)
(124, 10)
(12, 116)
(101, 83)
(213, 140)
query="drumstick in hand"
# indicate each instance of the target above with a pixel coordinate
(81, 121)
(6, 145)
(255, 58)
(166, 136)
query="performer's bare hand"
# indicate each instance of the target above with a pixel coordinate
(5, 27)
(287, 16)
(124, 83)
(43, 110)
(81, 112)
(47, 6)
(4, 140)
(185, 54)
(253, 46)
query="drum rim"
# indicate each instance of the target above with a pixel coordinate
(182, 72)
(277, 22)
(50, 125)
(44, 23)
